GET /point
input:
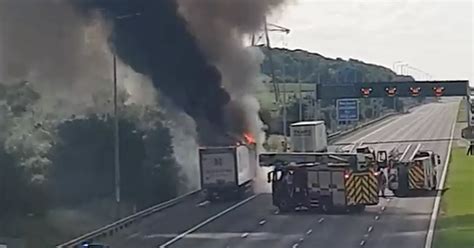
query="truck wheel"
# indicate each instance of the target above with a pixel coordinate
(284, 206)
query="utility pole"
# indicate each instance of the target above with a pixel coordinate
(401, 69)
(117, 175)
(394, 66)
(116, 142)
(316, 100)
(267, 28)
(284, 104)
(270, 59)
(300, 96)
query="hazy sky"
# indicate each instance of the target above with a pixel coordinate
(433, 36)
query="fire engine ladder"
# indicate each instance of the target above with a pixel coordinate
(307, 159)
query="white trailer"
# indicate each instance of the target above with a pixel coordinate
(308, 136)
(227, 172)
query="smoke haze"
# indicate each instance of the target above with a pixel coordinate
(191, 51)
(49, 44)
(220, 27)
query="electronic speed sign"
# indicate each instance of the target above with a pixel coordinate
(415, 91)
(391, 91)
(446, 88)
(366, 91)
(438, 91)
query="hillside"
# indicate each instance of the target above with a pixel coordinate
(312, 65)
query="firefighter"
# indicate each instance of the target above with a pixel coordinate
(382, 180)
(301, 185)
(470, 149)
(288, 179)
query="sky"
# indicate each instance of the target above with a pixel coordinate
(435, 37)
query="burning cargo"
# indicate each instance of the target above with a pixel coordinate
(227, 171)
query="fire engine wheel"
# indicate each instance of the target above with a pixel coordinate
(398, 193)
(284, 206)
(326, 205)
(357, 208)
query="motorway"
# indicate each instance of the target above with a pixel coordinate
(395, 222)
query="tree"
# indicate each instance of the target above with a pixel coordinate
(83, 167)
(83, 162)
(11, 183)
(162, 182)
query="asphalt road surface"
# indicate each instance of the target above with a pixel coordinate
(395, 222)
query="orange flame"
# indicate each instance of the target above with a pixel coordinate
(249, 139)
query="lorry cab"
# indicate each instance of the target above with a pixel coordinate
(290, 187)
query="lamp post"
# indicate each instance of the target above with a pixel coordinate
(117, 176)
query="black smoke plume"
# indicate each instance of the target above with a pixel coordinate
(151, 37)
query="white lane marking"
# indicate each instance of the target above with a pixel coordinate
(204, 203)
(295, 245)
(362, 243)
(244, 235)
(406, 151)
(370, 229)
(309, 231)
(321, 220)
(131, 236)
(383, 208)
(262, 222)
(301, 239)
(434, 213)
(377, 217)
(417, 148)
(380, 126)
(209, 220)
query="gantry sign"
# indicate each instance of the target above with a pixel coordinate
(394, 89)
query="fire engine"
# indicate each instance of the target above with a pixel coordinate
(412, 170)
(330, 181)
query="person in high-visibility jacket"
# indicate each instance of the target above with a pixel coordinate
(382, 180)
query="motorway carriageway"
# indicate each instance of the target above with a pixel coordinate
(254, 222)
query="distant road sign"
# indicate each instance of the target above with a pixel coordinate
(347, 109)
(468, 133)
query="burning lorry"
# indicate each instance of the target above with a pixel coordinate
(227, 171)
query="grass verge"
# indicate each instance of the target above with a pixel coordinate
(455, 225)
